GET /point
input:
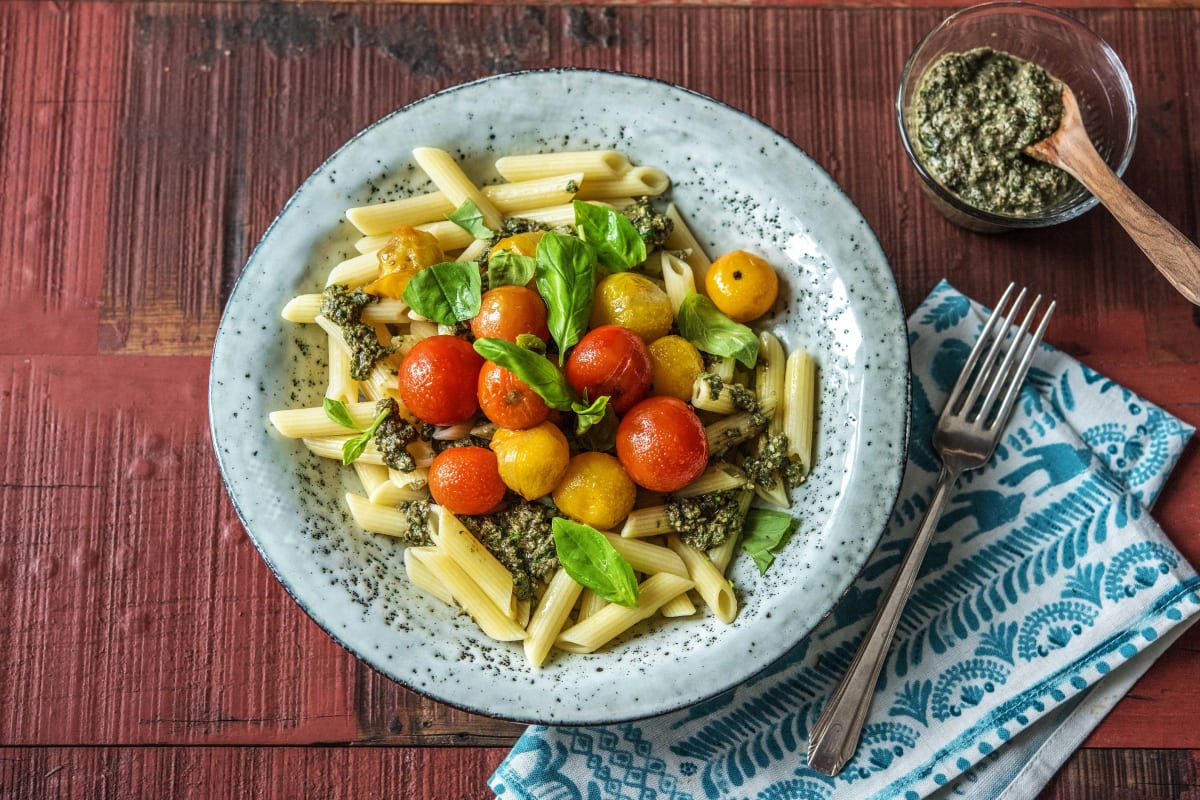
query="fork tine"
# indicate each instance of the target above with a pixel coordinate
(988, 368)
(1010, 397)
(1002, 374)
(973, 358)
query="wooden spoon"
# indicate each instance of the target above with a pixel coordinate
(1070, 149)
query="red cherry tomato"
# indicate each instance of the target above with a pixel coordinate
(610, 360)
(466, 480)
(662, 444)
(508, 311)
(438, 378)
(507, 400)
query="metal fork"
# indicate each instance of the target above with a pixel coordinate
(975, 416)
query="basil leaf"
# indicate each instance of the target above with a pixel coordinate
(353, 448)
(506, 268)
(592, 562)
(541, 376)
(336, 410)
(445, 293)
(588, 415)
(470, 219)
(618, 244)
(527, 341)
(601, 436)
(703, 324)
(764, 534)
(566, 280)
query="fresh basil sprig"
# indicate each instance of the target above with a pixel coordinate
(566, 280)
(352, 448)
(703, 324)
(506, 268)
(445, 293)
(470, 219)
(764, 534)
(589, 558)
(618, 244)
(544, 378)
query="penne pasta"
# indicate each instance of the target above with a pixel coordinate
(492, 576)
(331, 447)
(732, 430)
(422, 576)
(769, 380)
(356, 271)
(719, 477)
(647, 558)
(551, 614)
(710, 582)
(594, 164)
(799, 405)
(679, 606)
(589, 603)
(301, 423)
(378, 519)
(371, 475)
(613, 620)
(636, 182)
(678, 280)
(722, 554)
(643, 522)
(682, 240)
(449, 235)
(445, 173)
(472, 598)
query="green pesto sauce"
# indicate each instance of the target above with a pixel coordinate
(975, 113)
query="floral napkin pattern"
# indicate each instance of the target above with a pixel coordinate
(1047, 575)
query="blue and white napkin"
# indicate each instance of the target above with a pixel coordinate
(1047, 592)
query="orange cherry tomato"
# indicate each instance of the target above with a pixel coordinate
(438, 380)
(610, 360)
(466, 480)
(507, 400)
(742, 285)
(662, 444)
(508, 311)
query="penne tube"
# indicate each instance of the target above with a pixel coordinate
(733, 430)
(356, 271)
(473, 598)
(445, 173)
(524, 610)
(595, 164)
(336, 338)
(422, 576)
(341, 385)
(723, 553)
(331, 447)
(769, 380)
(637, 182)
(678, 280)
(301, 423)
(678, 606)
(589, 603)
(710, 582)
(643, 522)
(550, 616)
(390, 494)
(371, 475)
(800, 408)
(722, 402)
(647, 558)
(423, 329)
(682, 240)
(492, 576)
(613, 620)
(422, 453)
(723, 368)
(386, 520)
(473, 251)
(719, 477)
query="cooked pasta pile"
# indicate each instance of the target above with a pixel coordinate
(755, 403)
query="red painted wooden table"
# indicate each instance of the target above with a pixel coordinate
(146, 650)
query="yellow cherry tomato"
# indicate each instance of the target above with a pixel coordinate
(674, 365)
(632, 301)
(408, 252)
(744, 286)
(595, 491)
(521, 244)
(531, 461)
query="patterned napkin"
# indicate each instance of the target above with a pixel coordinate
(1046, 593)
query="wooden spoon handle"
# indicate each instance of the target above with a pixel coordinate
(1175, 256)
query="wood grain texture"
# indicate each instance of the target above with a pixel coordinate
(144, 149)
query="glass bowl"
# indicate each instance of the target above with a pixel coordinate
(1063, 47)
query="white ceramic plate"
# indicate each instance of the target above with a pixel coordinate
(740, 185)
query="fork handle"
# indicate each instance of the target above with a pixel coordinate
(834, 738)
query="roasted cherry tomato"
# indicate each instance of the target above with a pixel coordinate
(408, 252)
(508, 311)
(675, 363)
(634, 301)
(595, 491)
(742, 285)
(439, 378)
(613, 361)
(466, 480)
(532, 461)
(507, 400)
(662, 444)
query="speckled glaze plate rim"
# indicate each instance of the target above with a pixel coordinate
(478, 694)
